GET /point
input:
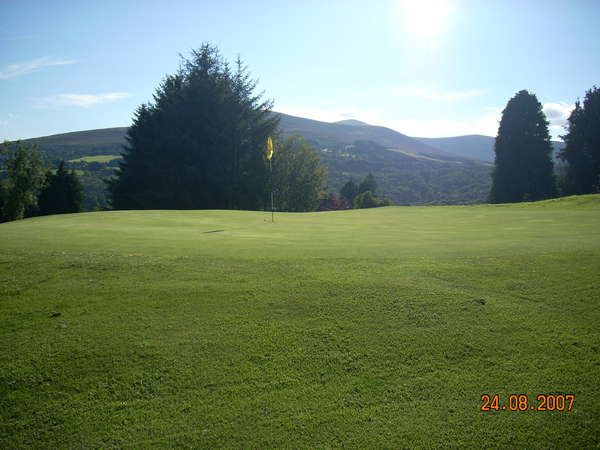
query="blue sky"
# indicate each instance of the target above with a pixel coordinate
(422, 67)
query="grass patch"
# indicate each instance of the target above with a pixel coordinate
(97, 158)
(340, 329)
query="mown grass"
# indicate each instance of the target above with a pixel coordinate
(96, 158)
(341, 329)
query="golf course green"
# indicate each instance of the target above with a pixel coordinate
(374, 328)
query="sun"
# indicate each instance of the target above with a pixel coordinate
(424, 18)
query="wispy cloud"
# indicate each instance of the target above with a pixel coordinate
(435, 95)
(558, 113)
(18, 69)
(81, 100)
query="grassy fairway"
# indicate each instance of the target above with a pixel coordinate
(354, 328)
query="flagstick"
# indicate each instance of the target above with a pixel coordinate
(269, 154)
(272, 207)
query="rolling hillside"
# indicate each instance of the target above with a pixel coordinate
(67, 146)
(409, 178)
(324, 134)
(409, 172)
(356, 329)
(321, 134)
(473, 146)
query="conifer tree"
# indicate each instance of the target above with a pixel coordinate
(523, 167)
(349, 191)
(62, 193)
(368, 184)
(582, 149)
(198, 144)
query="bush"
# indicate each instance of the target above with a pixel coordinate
(365, 200)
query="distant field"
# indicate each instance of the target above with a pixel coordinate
(421, 156)
(365, 329)
(97, 158)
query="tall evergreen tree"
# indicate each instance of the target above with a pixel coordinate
(62, 193)
(198, 144)
(349, 191)
(523, 166)
(368, 184)
(582, 149)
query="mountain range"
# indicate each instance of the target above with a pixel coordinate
(474, 146)
(320, 134)
(348, 131)
(409, 170)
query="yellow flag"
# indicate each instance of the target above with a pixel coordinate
(269, 150)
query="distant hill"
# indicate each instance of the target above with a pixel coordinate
(324, 134)
(408, 178)
(100, 137)
(408, 170)
(108, 141)
(474, 146)
(351, 122)
(67, 146)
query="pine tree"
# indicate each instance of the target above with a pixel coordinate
(368, 184)
(523, 167)
(62, 193)
(198, 144)
(349, 191)
(582, 149)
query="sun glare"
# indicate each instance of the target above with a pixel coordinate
(424, 18)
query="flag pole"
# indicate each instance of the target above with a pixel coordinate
(272, 207)
(269, 155)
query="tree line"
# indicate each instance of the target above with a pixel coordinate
(198, 145)
(362, 195)
(29, 188)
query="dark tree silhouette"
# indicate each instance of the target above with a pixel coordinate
(199, 144)
(62, 193)
(349, 191)
(368, 184)
(582, 149)
(523, 168)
